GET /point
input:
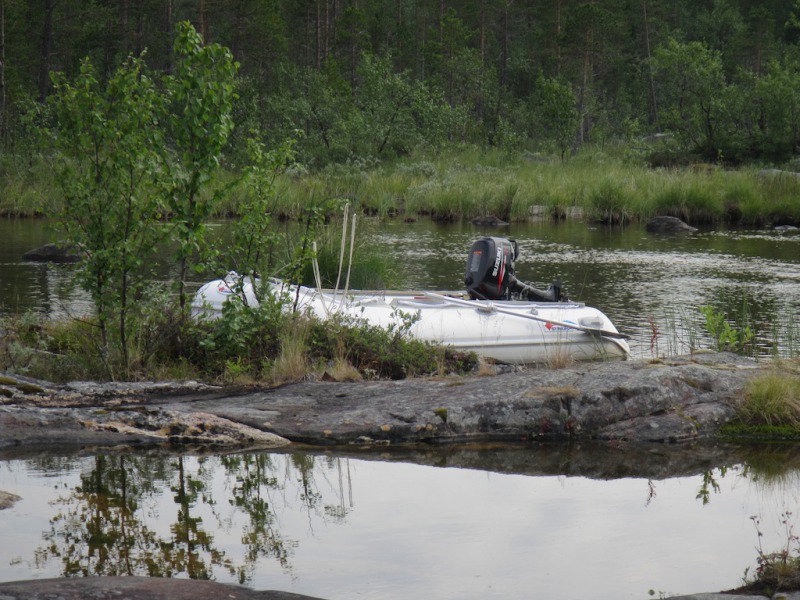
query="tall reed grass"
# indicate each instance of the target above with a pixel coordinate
(603, 186)
(729, 328)
(466, 182)
(26, 189)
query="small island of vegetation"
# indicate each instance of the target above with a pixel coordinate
(130, 126)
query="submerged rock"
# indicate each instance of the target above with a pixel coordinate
(489, 221)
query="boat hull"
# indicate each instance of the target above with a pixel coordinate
(505, 331)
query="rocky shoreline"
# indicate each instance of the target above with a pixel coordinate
(135, 588)
(671, 400)
(640, 404)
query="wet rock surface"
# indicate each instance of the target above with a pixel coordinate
(669, 401)
(679, 399)
(38, 414)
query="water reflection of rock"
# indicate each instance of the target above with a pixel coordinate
(602, 461)
(55, 253)
(8, 500)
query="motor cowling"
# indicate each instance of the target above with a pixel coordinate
(490, 268)
(490, 274)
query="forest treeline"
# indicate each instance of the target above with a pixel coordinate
(381, 78)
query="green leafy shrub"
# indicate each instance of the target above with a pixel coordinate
(728, 338)
(67, 350)
(242, 333)
(385, 353)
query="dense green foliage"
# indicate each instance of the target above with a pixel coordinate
(378, 78)
(135, 157)
(129, 151)
(247, 344)
(198, 122)
(445, 109)
(107, 154)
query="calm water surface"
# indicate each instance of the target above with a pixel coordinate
(644, 283)
(652, 287)
(552, 524)
(349, 527)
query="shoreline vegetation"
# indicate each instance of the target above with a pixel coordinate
(125, 157)
(249, 346)
(611, 185)
(663, 109)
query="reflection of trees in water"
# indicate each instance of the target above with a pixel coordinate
(710, 483)
(97, 531)
(190, 541)
(310, 496)
(110, 523)
(255, 481)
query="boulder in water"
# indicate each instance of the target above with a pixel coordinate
(668, 225)
(489, 221)
(55, 253)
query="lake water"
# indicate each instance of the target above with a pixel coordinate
(651, 287)
(454, 523)
(381, 527)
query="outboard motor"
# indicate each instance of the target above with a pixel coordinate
(490, 266)
(490, 274)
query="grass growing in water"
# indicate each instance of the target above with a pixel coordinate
(737, 338)
(777, 571)
(465, 182)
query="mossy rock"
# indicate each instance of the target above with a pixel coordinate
(22, 386)
(30, 388)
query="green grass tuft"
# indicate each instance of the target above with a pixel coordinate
(772, 403)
